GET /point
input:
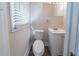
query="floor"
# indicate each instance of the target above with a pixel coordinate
(46, 53)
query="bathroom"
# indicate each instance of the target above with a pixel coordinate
(28, 22)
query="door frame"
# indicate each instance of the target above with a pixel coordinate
(68, 24)
(71, 27)
(5, 48)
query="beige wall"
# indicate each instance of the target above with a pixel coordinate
(19, 41)
(55, 21)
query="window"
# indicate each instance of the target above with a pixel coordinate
(19, 14)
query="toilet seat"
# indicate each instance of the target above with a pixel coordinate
(38, 48)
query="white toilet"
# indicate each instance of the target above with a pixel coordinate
(38, 46)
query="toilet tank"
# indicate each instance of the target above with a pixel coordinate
(55, 41)
(38, 34)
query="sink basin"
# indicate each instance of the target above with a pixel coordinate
(56, 30)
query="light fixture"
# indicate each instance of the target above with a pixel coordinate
(50, 2)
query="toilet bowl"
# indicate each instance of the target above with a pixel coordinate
(38, 46)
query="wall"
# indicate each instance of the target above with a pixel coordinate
(53, 9)
(19, 40)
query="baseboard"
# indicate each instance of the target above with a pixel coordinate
(46, 43)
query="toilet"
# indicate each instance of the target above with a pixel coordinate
(38, 45)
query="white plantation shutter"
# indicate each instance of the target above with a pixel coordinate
(19, 14)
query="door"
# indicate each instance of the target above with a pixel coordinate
(73, 34)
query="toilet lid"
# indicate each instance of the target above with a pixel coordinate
(38, 46)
